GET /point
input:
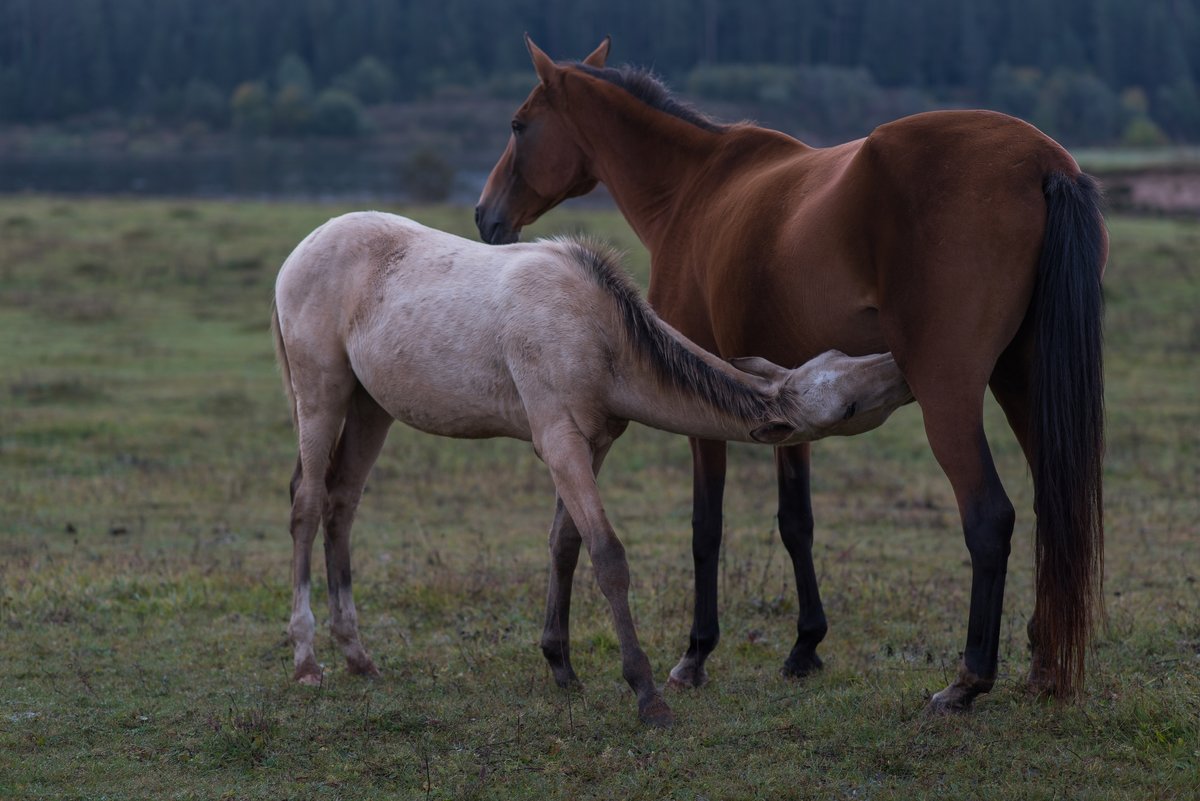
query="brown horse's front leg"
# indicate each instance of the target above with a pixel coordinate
(708, 489)
(796, 531)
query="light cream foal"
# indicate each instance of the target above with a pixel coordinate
(379, 318)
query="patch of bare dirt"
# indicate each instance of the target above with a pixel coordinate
(1173, 191)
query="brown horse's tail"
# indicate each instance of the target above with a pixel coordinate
(281, 357)
(1067, 435)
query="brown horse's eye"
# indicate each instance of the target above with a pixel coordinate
(517, 126)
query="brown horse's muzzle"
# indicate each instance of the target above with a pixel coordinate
(493, 227)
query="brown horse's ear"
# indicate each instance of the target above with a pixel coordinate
(600, 55)
(542, 64)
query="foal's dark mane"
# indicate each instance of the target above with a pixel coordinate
(646, 87)
(676, 365)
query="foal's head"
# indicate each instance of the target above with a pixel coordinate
(830, 395)
(542, 166)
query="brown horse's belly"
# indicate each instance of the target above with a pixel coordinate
(790, 337)
(792, 312)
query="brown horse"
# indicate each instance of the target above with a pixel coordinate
(965, 242)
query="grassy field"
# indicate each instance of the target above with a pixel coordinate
(145, 450)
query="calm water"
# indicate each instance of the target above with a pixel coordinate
(281, 173)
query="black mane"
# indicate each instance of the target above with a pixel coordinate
(646, 87)
(676, 365)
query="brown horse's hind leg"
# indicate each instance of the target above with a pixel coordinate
(1011, 387)
(362, 438)
(954, 425)
(708, 488)
(796, 531)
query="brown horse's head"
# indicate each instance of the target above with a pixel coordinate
(542, 165)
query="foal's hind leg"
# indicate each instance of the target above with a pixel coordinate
(1011, 386)
(362, 438)
(564, 555)
(320, 412)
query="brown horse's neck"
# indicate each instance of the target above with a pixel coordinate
(644, 157)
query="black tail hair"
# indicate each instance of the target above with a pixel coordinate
(1068, 431)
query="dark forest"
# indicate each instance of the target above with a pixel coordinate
(1088, 71)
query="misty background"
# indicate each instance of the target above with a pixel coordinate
(410, 99)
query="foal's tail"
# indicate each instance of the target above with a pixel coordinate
(1067, 432)
(281, 357)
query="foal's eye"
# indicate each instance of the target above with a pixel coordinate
(517, 126)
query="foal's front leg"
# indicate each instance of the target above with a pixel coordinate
(564, 556)
(569, 457)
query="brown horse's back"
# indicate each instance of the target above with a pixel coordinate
(923, 214)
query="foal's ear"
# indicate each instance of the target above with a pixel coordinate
(772, 433)
(542, 63)
(599, 56)
(755, 365)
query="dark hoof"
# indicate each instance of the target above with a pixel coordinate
(797, 667)
(687, 675)
(1040, 684)
(656, 713)
(956, 698)
(564, 675)
(362, 667)
(568, 681)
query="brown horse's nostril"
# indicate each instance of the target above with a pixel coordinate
(478, 215)
(850, 410)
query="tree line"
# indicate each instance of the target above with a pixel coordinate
(1087, 70)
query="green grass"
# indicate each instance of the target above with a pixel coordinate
(145, 451)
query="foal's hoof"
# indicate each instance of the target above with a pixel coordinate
(687, 675)
(362, 667)
(656, 713)
(308, 673)
(307, 678)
